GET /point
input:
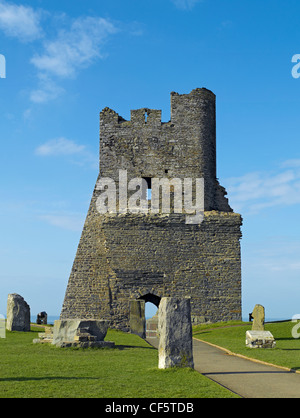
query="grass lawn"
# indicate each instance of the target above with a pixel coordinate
(286, 353)
(130, 370)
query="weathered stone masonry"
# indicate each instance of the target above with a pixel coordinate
(129, 256)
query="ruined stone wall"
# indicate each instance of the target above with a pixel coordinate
(121, 257)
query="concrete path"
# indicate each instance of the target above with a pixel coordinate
(243, 377)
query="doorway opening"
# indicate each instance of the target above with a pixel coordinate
(151, 314)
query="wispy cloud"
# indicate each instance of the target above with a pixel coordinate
(22, 22)
(66, 147)
(75, 45)
(185, 4)
(256, 191)
(59, 146)
(74, 48)
(70, 221)
(47, 90)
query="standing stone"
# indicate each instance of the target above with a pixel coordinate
(2, 326)
(175, 333)
(42, 318)
(258, 315)
(137, 318)
(18, 313)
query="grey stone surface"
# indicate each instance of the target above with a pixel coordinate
(18, 313)
(2, 326)
(258, 315)
(78, 331)
(128, 256)
(137, 318)
(260, 339)
(42, 318)
(175, 333)
(87, 344)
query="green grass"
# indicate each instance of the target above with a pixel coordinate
(286, 353)
(130, 370)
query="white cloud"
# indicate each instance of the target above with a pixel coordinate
(47, 90)
(75, 48)
(79, 154)
(59, 146)
(78, 43)
(256, 191)
(185, 4)
(72, 50)
(21, 22)
(293, 163)
(71, 222)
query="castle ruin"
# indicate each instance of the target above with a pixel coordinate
(134, 256)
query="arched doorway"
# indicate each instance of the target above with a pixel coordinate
(137, 315)
(150, 297)
(151, 314)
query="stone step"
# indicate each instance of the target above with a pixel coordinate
(84, 336)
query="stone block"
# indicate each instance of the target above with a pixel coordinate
(137, 318)
(175, 333)
(258, 315)
(67, 329)
(18, 313)
(86, 344)
(260, 339)
(2, 327)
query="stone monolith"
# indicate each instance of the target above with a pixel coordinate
(175, 333)
(18, 313)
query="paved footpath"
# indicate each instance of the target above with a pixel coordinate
(244, 377)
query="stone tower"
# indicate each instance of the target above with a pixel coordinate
(127, 256)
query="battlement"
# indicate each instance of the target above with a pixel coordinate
(146, 116)
(183, 147)
(183, 107)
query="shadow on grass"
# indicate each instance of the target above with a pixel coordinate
(122, 347)
(289, 349)
(28, 379)
(285, 339)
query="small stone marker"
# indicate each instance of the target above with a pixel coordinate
(258, 337)
(18, 313)
(42, 318)
(258, 316)
(2, 327)
(175, 333)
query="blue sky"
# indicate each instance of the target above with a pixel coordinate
(67, 60)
